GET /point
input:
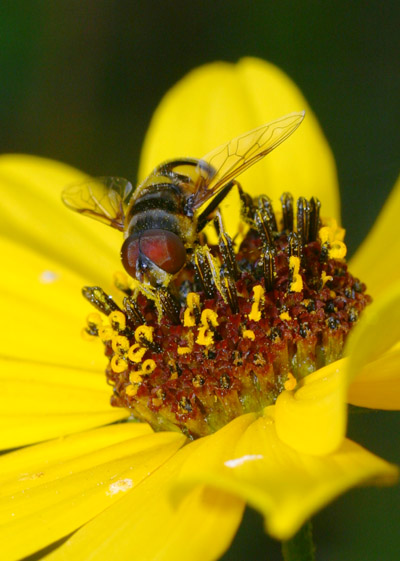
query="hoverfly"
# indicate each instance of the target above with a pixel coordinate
(162, 217)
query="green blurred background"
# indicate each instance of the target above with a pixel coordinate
(79, 82)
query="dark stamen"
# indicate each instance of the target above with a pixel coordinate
(230, 292)
(149, 344)
(265, 204)
(287, 210)
(226, 249)
(268, 268)
(133, 313)
(247, 210)
(169, 305)
(264, 227)
(303, 220)
(204, 272)
(294, 245)
(315, 206)
(100, 300)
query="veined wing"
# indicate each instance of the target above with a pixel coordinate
(102, 198)
(231, 159)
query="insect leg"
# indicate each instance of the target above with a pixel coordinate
(204, 217)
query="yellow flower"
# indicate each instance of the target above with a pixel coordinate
(125, 491)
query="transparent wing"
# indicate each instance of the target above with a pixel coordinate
(102, 198)
(228, 161)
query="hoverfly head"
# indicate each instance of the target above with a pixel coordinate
(153, 253)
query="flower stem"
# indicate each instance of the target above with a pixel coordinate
(301, 546)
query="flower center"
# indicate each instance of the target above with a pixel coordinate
(237, 326)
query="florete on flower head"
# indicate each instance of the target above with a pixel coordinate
(237, 325)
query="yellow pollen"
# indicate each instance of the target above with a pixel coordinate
(326, 234)
(198, 381)
(131, 390)
(193, 303)
(118, 364)
(87, 336)
(148, 366)
(121, 281)
(172, 365)
(106, 333)
(337, 232)
(136, 377)
(157, 402)
(120, 344)
(183, 403)
(94, 319)
(258, 300)
(290, 383)
(209, 317)
(136, 353)
(215, 272)
(325, 278)
(144, 332)
(117, 320)
(337, 250)
(205, 336)
(333, 236)
(331, 233)
(297, 284)
(188, 318)
(193, 300)
(249, 334)
(184, 350)
(285, 316)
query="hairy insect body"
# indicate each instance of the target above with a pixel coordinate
(161, 203)
(162, 218)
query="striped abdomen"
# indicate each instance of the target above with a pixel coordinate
(160, 205)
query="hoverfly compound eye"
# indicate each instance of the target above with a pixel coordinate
(130, 255)
(161, 247)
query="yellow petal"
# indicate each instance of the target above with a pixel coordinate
(220, 101)
(34, 465)
(44, 309)
(92, 483)
(38, 402)
(33, 215)
(312, 419)
(146, 525)
(377, 261)
(373, 349)
(378, 384)
(286, 486)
